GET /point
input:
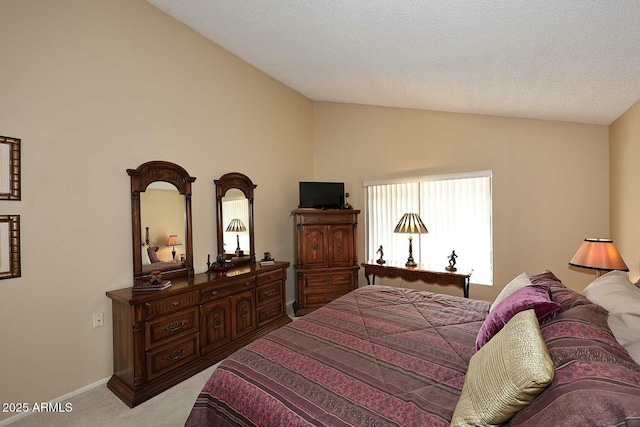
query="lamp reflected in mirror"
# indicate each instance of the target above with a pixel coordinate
(173, 241)
(236, 226)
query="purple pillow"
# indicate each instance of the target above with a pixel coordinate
(530, 297)
(566, 297)
(595, 380)
(153, 255)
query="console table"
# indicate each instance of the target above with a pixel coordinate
(412, 274)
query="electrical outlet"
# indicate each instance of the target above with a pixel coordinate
(98, 320)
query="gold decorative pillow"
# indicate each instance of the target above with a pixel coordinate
(505, 375)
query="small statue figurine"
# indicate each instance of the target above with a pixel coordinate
(156, 277)
(346, 203)
(452, 262)
(221, 260)
(380, 260)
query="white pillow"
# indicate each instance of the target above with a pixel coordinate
(634, 351)
(615, 292)
(517, 283)
(145, 255)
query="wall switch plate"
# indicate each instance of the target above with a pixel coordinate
(98, 320)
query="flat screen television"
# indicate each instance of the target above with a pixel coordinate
(321, 195)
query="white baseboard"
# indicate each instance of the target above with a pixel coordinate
(64, 398)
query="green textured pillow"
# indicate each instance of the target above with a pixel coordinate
(505, 375)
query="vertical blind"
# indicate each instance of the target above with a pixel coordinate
(456, 210)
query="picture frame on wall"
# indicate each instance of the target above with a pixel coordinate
(9, 168)
(9, 246)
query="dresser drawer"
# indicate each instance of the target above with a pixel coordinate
(171, 327)
(324, 280)
(215, 293)
(270, 276)
(328, 295)
(170, 304)
(171, 356)
(230, 287)
(269, 313)
(270, 292)
(324, 218)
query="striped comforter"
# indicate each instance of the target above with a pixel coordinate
(378, 356)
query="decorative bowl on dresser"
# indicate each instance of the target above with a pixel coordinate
(161, 338)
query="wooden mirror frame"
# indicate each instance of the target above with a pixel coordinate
(141, 177)
(244, 184)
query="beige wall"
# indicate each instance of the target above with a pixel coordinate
(94, 87)
(624, 140)
(550, 179)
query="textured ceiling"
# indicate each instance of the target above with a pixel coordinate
(569, 60)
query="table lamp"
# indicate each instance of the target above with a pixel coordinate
(236, 226)
(600, 255)
(173, 241)
(412, 224)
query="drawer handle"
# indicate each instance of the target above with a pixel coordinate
(176, 303)
(329, 280)
(270, 293)
(243, 311)
(271, 276)
(329, 297)
(175, 355)
(214, 292)
(247, 283)
(216, 322)
(271, 312)
(176, 326)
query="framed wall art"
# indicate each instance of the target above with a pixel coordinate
(9, 246)
(9, 168)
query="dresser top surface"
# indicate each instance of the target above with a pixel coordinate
(195, 282)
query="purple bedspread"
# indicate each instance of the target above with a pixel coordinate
(378, 356)
(162, 266)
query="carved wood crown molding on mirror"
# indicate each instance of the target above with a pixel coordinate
(157, 172)
(229, 242)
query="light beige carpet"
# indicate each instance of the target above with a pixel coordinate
(100, 407)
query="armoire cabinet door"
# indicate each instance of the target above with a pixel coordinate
(314, 246)
(341, 246)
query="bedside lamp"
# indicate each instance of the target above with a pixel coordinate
(174, 241)
(600, 255)
(412, 224)
(236, 226)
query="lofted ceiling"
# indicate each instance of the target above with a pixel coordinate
(568, 60)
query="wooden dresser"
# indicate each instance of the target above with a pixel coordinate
(326, 256)
(162, 338)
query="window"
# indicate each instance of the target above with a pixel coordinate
(456, 210)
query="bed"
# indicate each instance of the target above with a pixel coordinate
(150, 261)
(383, 356)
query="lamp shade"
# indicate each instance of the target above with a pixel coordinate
(411, 223)
(173, 240)
(236, 225)
(598, 254)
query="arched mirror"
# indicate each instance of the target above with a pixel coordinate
(161, 220)
(234, 211)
